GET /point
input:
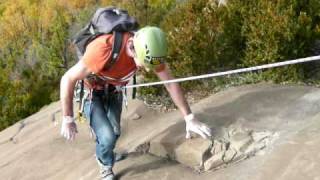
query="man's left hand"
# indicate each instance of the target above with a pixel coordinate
(193, 125)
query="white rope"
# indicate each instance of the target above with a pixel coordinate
(266, 66)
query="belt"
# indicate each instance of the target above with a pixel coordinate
(108, 89)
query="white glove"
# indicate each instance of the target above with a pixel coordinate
(68, 128)
(193, 125)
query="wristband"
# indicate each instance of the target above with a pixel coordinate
(189, 117)
(68, 119)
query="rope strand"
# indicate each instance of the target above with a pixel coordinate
(266, 66)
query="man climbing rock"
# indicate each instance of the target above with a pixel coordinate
(146, 48)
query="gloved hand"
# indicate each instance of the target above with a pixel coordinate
(193, 125)
(68, 127)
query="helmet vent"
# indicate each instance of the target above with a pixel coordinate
(147, 50)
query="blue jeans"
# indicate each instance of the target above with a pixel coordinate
(103, 113)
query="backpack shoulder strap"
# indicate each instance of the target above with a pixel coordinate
(134, 90)
(116, 47)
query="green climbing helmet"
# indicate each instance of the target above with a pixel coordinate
(150, 46)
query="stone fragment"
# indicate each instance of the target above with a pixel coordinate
(239, 157)
(229, 155)
(254, 148)
(135, 116)
(218, 146)
(192, 151)
(240, 141)
(260, 136)
(235, 145)
(214, 162)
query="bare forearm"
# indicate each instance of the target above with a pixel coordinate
(68, 81)
(178, 98)
(175, 91)
(66, 95)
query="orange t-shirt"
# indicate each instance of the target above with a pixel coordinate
(97, 54)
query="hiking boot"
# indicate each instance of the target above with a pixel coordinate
(106, 172)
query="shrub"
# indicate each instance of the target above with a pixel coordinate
(275, 31)
(33, 50)
(203, 38)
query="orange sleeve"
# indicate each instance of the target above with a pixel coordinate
(97, 54)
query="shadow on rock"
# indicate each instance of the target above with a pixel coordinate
(143, 168)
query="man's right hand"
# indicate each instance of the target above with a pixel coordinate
(68, 128)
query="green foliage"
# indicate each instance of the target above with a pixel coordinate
(203, 38)
(34, 48)
(269, 30)
(148, 12)
(206, 38)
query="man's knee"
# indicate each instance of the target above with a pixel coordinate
(107, 140)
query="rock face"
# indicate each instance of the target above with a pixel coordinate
(247, 123)
(260, 132)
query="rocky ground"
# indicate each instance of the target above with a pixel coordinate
(260, 131)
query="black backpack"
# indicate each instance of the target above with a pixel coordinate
(104, 21)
